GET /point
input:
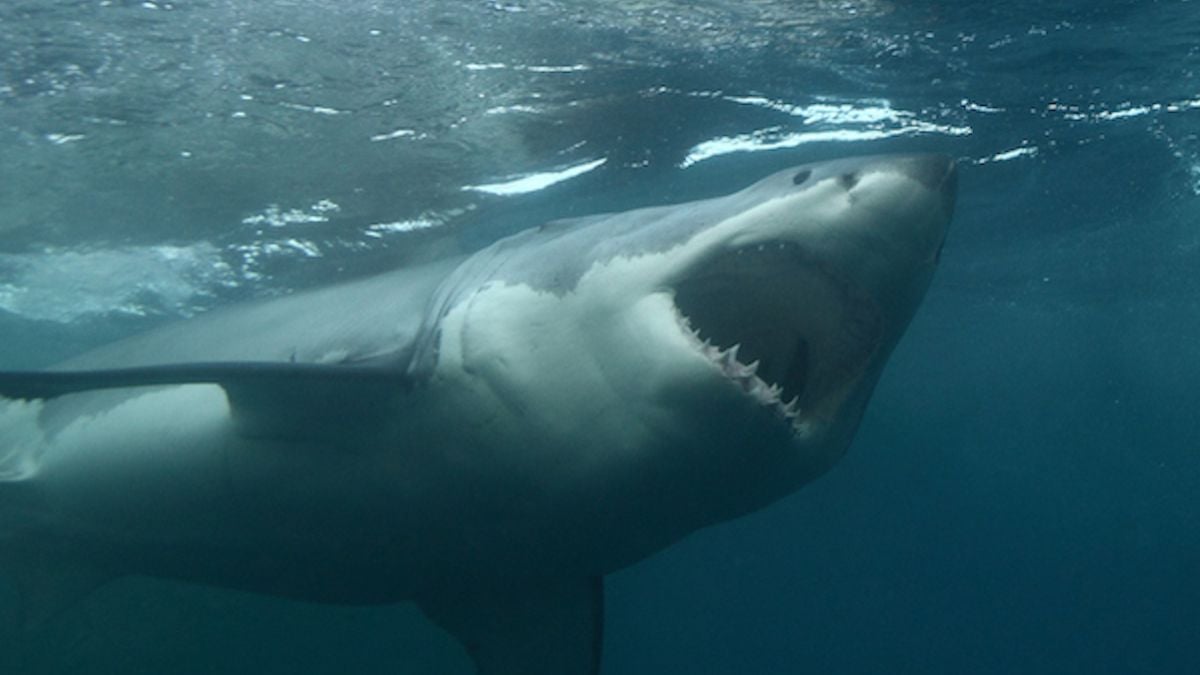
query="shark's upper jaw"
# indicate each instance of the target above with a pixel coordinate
(791, 334)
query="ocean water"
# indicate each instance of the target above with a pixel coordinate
(1024, 493)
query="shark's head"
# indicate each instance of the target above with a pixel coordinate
(757, 322)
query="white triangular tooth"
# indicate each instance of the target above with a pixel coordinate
(792, 407)
(752, 367)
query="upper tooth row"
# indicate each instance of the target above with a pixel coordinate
(763, 247)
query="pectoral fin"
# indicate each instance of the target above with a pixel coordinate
(46, 587)
(268, 400)
(551, 629)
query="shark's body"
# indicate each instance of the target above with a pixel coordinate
(487, 436)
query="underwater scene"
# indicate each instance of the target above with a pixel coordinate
(288, 384)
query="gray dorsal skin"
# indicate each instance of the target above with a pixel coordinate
(488, 436)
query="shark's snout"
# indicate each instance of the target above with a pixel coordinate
(935, 172)
(939, 175)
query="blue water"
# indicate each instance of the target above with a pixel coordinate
(1022, 495)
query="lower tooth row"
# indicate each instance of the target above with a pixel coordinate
(746, 375)
(770, 394)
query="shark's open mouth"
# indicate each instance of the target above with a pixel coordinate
(793, 335)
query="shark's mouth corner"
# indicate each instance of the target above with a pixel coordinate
(791, 334)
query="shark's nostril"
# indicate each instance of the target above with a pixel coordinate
(801, 177)
(849, 180)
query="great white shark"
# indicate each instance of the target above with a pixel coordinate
(485, 436)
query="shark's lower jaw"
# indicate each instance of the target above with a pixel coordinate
(792, 335)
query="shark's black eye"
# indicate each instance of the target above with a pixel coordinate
(800, 177)
(849, 180)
